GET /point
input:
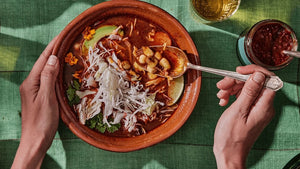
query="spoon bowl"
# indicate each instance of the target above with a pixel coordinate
(179, 59)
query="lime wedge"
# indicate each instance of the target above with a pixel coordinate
(175, 90)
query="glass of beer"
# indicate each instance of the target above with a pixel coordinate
(215, 10)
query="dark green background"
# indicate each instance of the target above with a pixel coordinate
(27, 26)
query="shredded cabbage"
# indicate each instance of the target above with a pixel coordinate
(115, 95)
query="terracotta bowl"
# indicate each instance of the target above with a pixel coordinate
(192, 78)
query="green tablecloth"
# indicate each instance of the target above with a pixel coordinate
(26, 27)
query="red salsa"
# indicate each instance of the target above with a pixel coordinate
(268, 43)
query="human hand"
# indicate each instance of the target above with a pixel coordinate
(241, 123)
(40, 113)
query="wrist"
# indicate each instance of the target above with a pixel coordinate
(227, 159)
(229, 163)
(30, 153)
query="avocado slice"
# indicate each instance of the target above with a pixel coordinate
(99, 33)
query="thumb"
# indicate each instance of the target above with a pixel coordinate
(251, 90)
(49, 75)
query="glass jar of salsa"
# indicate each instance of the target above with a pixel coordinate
(263, 44)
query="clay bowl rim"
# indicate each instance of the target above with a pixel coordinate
(188, 99)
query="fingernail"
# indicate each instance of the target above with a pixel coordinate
(222, 102)
(258, 77)
(52, 60)
(219, 94)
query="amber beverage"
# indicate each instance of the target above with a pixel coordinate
(215, 10)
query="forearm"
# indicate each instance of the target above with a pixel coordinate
(30, 154)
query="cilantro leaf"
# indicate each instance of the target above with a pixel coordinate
(71, 93)
(73, 98)
(76, 99)
(97, 123)
(114, 127)
(101, 128)
(76, 85)
(92, 123)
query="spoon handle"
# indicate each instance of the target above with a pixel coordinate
(292, 53)
(272, 82)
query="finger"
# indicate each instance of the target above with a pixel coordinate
(238, 94)
(223, 102)
(250, 91)
(226, 83)
(49, 75)
(265, 105)
(40, 63)
(237, 88)
(253, 68)
(223, 94)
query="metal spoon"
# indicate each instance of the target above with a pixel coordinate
(292, 53)
(272, 82)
